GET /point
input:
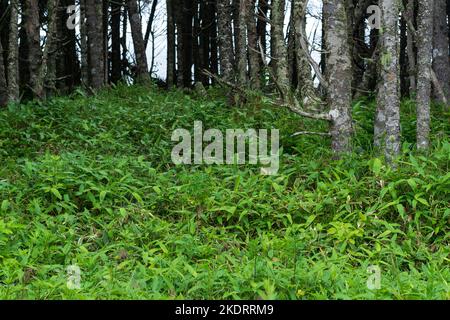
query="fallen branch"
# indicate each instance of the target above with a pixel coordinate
(301, 133)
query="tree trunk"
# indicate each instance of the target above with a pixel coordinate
(388, 110)
(116, 63)
(254, 56)
(339, 75)
(241, 44)
(304, 78)
(83, 44)
(279, 50)
(225, 40)
(410, 45)
(94, 28)
(13, 54)
(170, 44)
(142, 75)
(441, 62)
(34, 47)
(3, 85)
(424, 58)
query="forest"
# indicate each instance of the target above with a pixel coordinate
(225, 149)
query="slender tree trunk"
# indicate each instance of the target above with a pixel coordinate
(410, 45)
(241, 44)
(441, 62)
(170, 45)
(388, 111)
(304, 78)
(116, 63)
(34, 47)
(424, 59)
(279, 50)
(3, 85)
(187, 40)
(13, 54)
(225, 39)
(83, 44)
(261, 26)
(142, 75)
(94, 28)
(254, 56)
(339, 75)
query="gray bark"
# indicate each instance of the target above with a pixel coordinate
(411, 46)
(441, 62)
(225, 39)
(254, 56)
(94, 28)
(389, 105)
(3, 86)
(279, 46)
(34, 47)
(142, 74)
(13, 54)
(241, 44)
(339, 75)
(424, 64)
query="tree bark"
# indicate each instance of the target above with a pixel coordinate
(13, 54)
(441, 62)
(94, 28)
(116, 63)
(170, 44)
(241, 44)
(225, 39)
(424, 59)
(279, 50)
(339, 75)
(142, 75)
(410, 45)
(34, 47)
(387, 126)
(253, 55)
(3, 85)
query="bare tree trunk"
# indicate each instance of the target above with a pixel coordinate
(116, 64)
(225, 39)
(304, 79)
(339, 75)
(83, 44)
(410, 45)
(3, 85)
(94, 28)
(279, 50)
(254, 57)
(441, 62)
(424, 59)
(241, 44)
(388, 111)
(34, 47)
(142, 75)
(170, 44)
(13, 54)
(47, 71)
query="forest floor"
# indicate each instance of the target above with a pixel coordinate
(87, 184)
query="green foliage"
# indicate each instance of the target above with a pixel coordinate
(89, 181)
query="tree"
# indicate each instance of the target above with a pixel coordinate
(279, 51)
(13, 54)
(441, 64)
(142, 75)
(32, 26)
(225, 40)
(94, 31)
(3, 85)
(387, 122)
(170, 44)
(339, 75)
(424, 59)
